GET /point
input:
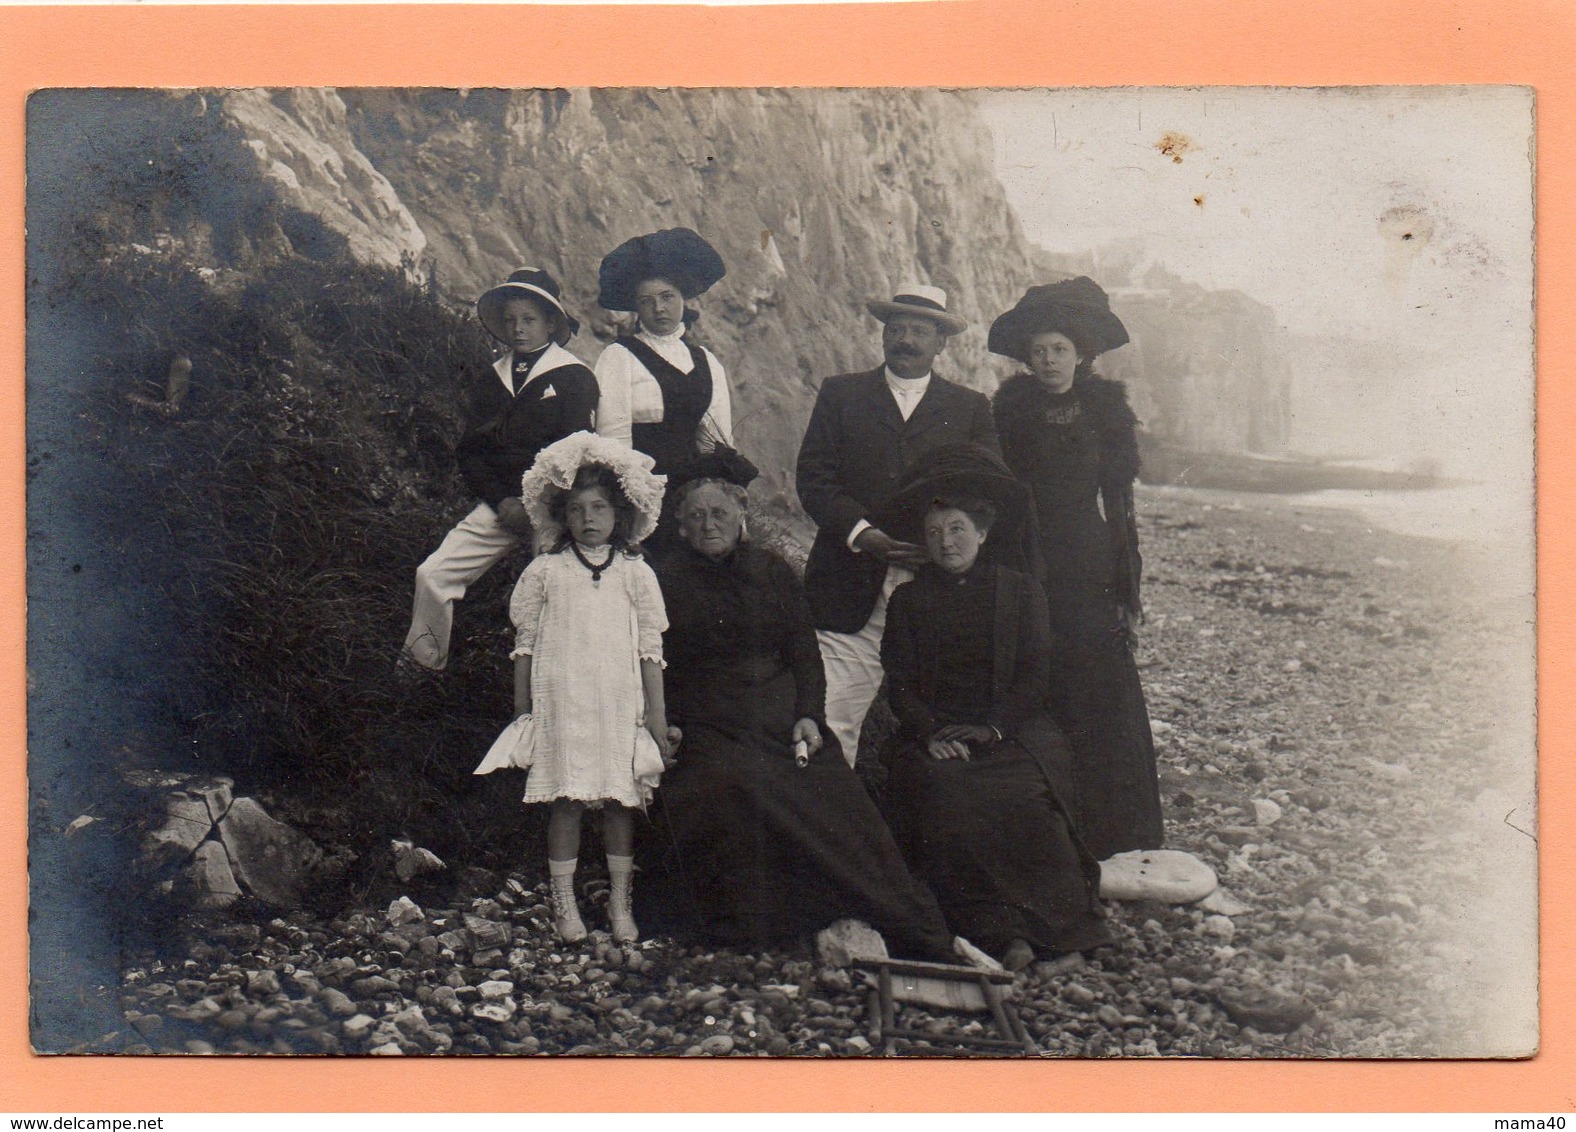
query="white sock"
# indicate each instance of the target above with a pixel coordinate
(562, 868)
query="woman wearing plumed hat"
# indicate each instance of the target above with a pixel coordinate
(660, 392)
(1072, 437)
(535, 393)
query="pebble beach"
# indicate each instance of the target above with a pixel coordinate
(1343, 719)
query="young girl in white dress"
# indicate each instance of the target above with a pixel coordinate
(588, 620)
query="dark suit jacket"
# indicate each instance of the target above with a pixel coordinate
(855, 449)
(506, 429)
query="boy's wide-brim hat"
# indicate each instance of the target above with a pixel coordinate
(527, 283)
(679, 255)
(951, 473)
(922, 300)
(1078, 308)
(555, 469)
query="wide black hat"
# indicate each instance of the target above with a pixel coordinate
(527, 282)
(953, 472)
(676, 254)
(1078, 308)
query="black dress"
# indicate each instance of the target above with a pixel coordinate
(1078, 450)
(747, 847)
(989, 834)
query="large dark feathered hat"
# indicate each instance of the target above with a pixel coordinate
(721, 463)
(1077, 308)
(678, 255)
(529, 283)
(951, 473)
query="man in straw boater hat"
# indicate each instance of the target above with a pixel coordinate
(536, 393)
(866, 430)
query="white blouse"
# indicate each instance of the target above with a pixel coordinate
(629, 395)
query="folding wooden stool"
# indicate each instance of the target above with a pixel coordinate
(946, 987)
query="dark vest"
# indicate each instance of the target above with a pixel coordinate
(670, 442)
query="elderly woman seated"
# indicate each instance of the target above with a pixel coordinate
(762, 831)
(972, 769)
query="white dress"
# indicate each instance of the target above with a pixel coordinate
(586, 640)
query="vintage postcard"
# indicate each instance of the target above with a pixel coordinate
(1093, 552)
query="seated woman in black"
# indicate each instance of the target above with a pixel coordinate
(970, 790)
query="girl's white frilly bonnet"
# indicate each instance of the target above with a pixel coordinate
(555, 470)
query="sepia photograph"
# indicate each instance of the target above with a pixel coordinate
(781, 572)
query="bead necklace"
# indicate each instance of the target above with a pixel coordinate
(596, 571)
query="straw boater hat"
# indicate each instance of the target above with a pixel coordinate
(1077, 308)
(679, 255)
(527, 282)
(925, 301)
(555, 470)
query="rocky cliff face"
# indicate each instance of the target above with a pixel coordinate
(817, 201)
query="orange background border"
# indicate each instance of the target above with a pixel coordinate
(952, 42)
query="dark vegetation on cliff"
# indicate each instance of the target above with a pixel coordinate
(299, 482)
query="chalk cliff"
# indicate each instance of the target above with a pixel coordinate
(817, 201)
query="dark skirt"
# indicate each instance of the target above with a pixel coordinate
(1099, 705)
(993, 842)
(747, 848)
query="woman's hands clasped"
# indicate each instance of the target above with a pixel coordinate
(955, 739)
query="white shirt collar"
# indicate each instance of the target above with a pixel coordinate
(906, 386)
(662, 339)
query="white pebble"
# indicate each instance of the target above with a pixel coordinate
(1220, 926)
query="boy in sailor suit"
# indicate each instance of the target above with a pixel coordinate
(535, 394)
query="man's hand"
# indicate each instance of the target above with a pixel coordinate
(512, 517)
(889, 550)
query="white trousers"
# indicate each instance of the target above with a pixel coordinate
(853, 668)
(467, 552)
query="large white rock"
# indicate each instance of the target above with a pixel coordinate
(1168, 875)
(269, 858)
